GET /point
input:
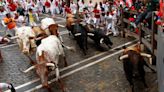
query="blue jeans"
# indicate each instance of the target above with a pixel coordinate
(140, 17)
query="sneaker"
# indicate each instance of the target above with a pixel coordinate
(12, 88)
(133, 24)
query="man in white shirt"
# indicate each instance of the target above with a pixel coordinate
(73, 7)
(90, 6)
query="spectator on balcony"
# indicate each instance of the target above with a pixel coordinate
(145, 12)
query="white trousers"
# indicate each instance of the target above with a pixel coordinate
(4, 85)
(114, 28)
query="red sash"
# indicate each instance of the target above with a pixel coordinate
(12, 7)
(47, 4)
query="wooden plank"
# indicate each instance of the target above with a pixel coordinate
(131, 33)
(146, 30)
(147, 44)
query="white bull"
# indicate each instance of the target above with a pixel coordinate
(24, 34)
(47, 54)
(52, 47)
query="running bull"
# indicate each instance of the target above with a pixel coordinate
(78, 31)
(97, 35)
(133, 64)
(47, 56)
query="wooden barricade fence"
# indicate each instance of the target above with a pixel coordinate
(151, 45)
(160, 59)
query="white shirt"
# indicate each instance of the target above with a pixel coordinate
(90, 7)
(73, 7)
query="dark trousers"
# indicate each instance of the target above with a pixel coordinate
(143, 16)
(44, 9)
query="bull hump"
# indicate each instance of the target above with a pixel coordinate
(49, 38)
(133, 49)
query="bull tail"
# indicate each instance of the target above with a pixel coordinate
(69, 47)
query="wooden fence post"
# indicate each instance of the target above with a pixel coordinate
(122, 23)
(160, 59)
(140, 33)
(153, 39)
(152, 33)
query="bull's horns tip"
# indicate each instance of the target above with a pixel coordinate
(61, 26)
(101, 40)
(71, 48)
(50, 64)
(123, 57)
(29, 69)
(15, 37)
(146, 55)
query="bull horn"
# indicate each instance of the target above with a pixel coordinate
(15, 37)
(61, 25)
(69, 48)
(148, 56)
(29, 69)
(123, 57)
(90, 34)
(101, 40)
(50, 64)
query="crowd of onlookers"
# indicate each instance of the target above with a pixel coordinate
(106, 13)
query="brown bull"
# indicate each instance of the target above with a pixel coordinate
(43, 68)
(133, 64)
